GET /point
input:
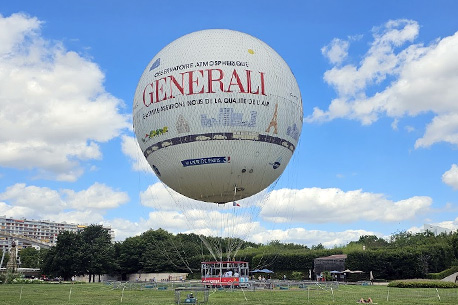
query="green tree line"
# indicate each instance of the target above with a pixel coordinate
(90, 252)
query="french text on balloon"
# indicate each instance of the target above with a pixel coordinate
(207, 63)
(203, 161)
(207, 81)
(156, 110)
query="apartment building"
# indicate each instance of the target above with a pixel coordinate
(25, 231)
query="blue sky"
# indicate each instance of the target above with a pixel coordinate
(378, 151)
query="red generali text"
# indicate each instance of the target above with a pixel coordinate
(203, 81)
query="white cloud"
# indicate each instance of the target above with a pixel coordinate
(42, 199)
(310, 205)
(449, 224)
(85, 217)
(176, 213)
(54, 108)
(97, 196)
(208, 223)
(176, 222)
(16, 211)
(336, 51)
(422, 80)
(124, 228)
(415, 230)
(161, 197)
(442, 128)
(14, 29)
(85, 206)
(450, 177)
(310, 237)
(132, 150)
(315, 205)
(410, 128)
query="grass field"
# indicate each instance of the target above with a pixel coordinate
(101, 294)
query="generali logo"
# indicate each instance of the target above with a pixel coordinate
(206, 81)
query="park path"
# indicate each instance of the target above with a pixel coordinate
(451, 278)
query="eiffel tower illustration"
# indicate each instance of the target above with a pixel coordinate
(273, 122)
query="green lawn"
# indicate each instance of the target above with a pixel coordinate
(100, 294)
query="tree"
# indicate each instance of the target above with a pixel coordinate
(64, 259)
(157, 253)
(30, 257)
(370, 242)
(6, 258)
(129, 255)
(454, 243)
(318, 247)
(97, 251)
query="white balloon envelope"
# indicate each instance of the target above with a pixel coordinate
(217, 115)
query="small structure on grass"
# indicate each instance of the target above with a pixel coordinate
(225, 274)
(191, 295)
(334, 263)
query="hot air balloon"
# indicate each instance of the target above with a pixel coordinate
(218, 115)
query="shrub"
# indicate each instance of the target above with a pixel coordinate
(443, 274)
(20, 280)
(297, 276)
(422, 284)
(9, 277)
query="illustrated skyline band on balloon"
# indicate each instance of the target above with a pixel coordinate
(217, 115)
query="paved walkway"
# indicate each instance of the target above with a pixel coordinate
(451, 278)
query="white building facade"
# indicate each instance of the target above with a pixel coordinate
(26, 232)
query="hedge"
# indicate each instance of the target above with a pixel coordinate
(443, 274)
(422, 284)
(407, 262)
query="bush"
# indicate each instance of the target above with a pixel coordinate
(9, 277)
(422, 284)
(25, 281)
(297, 276)
(443, 274)
(401, 263)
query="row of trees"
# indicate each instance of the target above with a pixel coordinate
(90, 252)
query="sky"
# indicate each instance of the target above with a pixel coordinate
(378, 153)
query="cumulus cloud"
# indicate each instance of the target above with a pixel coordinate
(176, 213)
(422, 80)
(34, 198)
(85, 217)
(85, 206)
(450, 177)
(308, 205)
(209, 223)
(336, 51)
(310, 237)
(124, 228)
(449, 224)
(161, 197)
(97, 196)
(176, 222)
(132, 150)
(316, 205)
(54, 109)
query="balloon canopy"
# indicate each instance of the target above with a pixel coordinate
(217, 115)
